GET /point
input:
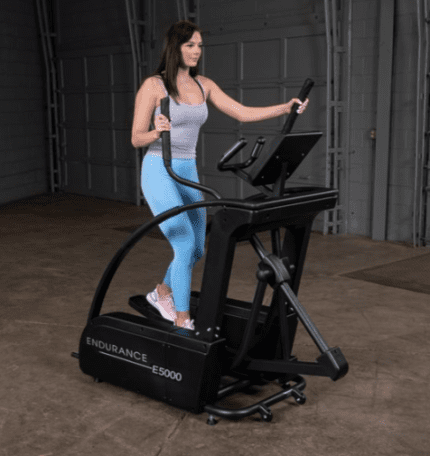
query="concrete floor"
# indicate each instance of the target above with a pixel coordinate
(54, 249)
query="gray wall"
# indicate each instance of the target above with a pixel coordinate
(93, 26)
(23, 151)
(364, 103)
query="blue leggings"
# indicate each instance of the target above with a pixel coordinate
(185, 232)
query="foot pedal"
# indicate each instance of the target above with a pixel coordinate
(141, 305)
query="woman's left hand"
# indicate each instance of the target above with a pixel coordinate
(302, 106)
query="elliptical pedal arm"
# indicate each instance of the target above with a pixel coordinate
(281, 275)
(331, 358)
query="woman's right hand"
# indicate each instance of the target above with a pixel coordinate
(162, 124)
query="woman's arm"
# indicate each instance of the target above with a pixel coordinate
(143, 109)
(269, 112)
(221, 101)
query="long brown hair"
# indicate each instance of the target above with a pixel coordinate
(178, 34)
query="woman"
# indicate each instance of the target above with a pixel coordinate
(177, 76)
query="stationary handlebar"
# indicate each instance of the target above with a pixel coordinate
(235, 149)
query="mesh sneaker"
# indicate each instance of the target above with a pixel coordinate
(164, 304)
(188, 324)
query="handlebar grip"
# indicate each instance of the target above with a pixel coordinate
(307, 87)
(165, 135)
(232, 152)
(304, 92)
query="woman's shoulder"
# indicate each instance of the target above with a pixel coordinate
(152, 89)
(206, 82)
(154, 78)
(203, 79)
(155, 83)
(158, 84)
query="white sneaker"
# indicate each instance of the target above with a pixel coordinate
(164, 304)
(188, 324)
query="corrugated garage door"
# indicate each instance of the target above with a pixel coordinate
(96, 98)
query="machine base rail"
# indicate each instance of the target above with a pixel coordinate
(262, 407)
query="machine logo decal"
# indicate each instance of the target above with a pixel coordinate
(131, 356)
(114, 349)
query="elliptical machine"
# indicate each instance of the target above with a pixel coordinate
(235, 344)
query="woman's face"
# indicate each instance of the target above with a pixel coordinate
(192, 50)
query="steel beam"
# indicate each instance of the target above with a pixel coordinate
(383, 121)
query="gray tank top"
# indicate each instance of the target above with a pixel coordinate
(186, 121)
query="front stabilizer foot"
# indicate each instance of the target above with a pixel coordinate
(335, 363)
